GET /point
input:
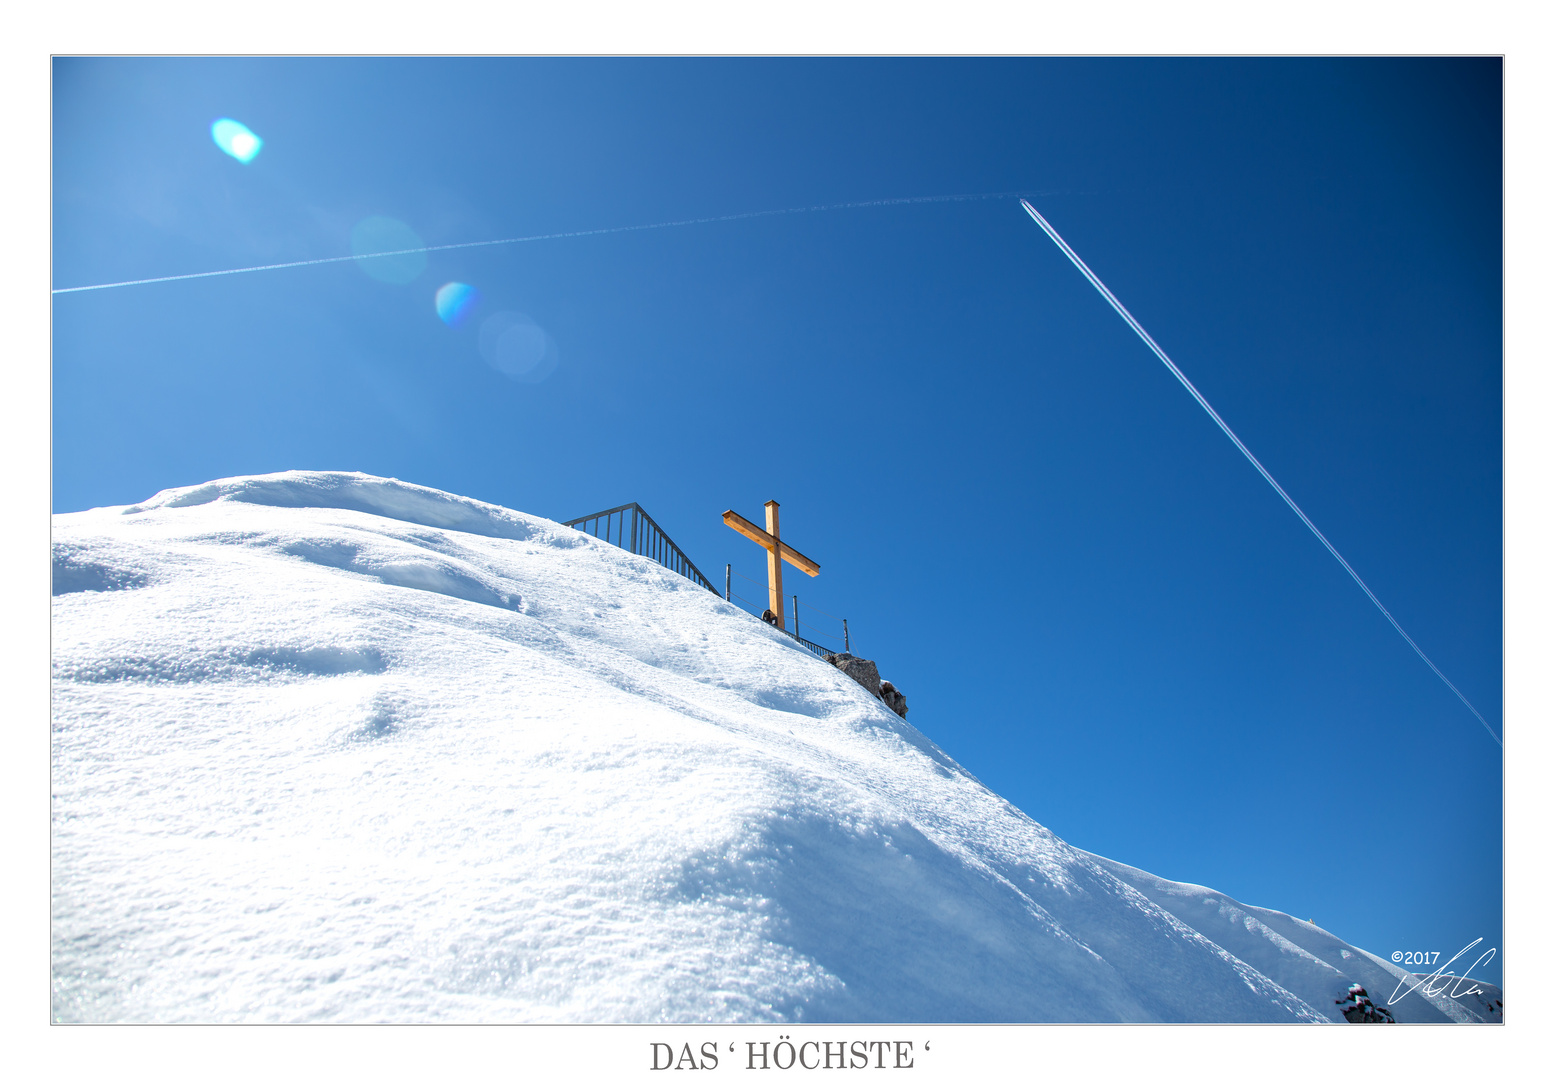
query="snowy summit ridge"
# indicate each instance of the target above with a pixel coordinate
(330, 747)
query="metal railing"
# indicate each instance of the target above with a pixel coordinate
(745, 604)
(823, 651)
(631, 528)
(819, 650)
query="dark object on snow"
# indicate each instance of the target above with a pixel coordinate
(768, 617)
(867, 675)
(1358, 1009)
(858, 669)
(895, 700)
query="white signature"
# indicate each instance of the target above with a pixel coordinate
(1429, 985)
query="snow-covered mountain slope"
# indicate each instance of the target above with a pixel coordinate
(333, 747)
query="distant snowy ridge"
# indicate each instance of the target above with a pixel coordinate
(1303, 957)
(329, 747)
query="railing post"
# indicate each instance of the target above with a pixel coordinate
(795, 599)
(728, 573)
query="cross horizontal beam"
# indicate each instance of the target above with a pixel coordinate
(771, 543)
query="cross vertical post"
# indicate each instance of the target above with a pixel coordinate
(774, 566)
(777, 553)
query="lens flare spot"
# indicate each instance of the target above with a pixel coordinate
(235, 139)
(455, 301)
(517, 346)
(372, 237)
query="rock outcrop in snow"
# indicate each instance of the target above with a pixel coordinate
(866, 674)
(333, 747)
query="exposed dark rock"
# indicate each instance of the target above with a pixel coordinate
(1358, 1009)
(867, 675)
(859, 670)
(895, 700)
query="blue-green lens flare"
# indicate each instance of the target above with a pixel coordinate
(519, 347)
(383, 237)
(455, 301)
(236, 139)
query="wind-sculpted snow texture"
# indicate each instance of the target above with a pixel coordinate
(329, 747)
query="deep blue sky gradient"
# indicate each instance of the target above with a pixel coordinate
(1091, 600)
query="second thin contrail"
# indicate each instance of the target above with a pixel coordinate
(545, 236)
(1175, 370)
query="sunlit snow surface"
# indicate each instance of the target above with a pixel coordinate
(328, 747)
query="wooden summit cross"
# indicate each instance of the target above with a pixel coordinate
(777, 551)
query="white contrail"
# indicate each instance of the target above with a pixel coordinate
(546, 236)
(1175, 370)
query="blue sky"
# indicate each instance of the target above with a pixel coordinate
(1090, 598)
